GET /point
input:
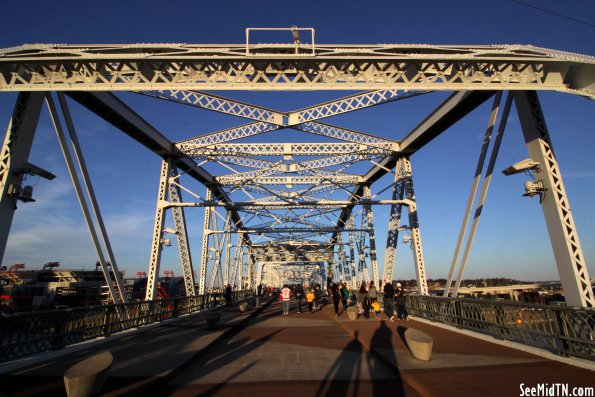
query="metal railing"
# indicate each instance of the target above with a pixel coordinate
(561, 330)
(23, 334)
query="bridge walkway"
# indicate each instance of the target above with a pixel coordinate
(261, 352)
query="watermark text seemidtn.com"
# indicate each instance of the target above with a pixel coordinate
(555, 390)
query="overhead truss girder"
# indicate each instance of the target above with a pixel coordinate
(201, 67)
(287, 149)
(233, 180)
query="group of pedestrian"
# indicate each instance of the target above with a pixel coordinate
(367, 300)
(367, 297)
(299, 293)
(339, 293)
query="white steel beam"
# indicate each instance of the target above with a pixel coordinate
(86, 179)
(116, 295)
(205, 245)
(567, 249)
(175, 196)
(144, 67)
(219, 104)
(473, 192)
(368, 209)
(394, 223)
(418, 254)
(484, 192)
(348, 104)
(157, 243)
(14, 155)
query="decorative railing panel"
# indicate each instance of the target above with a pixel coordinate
(562, 330)
(23, 334)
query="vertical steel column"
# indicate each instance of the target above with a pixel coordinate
(343, 268)
(472, 194)
(484, 192)
(392, 237)
(251, 264)
(371, 235)
(259, 271)
(175, 196)
(156, 245)
(216, 269)
(228, 261)
(362, 269)
(205, 245)
(556, 207)
(352, 253)
(236, 263)
(15, 152)
(418, 254)
(86, 179)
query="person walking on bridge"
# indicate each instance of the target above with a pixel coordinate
(299, 295)
(401, 303)
(336, 295)
(389, 295)
(362, 296)
(310, 296)
(285, 296)
(373, 292)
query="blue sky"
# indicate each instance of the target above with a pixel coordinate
(511, 241)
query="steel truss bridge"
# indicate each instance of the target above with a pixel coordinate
(305, 202)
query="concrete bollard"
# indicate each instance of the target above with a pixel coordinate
(352, 313)
(419, 343)
(86, 378)
(243, 306)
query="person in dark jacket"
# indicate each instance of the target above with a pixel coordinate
(299, 295)
(400, 303)
(228, 295)
(389, 295)
(336, 295)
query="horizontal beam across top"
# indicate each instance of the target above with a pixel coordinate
(286, 149)
(202, 67)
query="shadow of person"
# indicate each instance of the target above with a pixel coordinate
(401, 331)
(382, 339)
(343, 377)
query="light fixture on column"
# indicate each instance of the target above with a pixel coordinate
(534, 187)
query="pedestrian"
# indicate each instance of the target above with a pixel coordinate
(336, 296)
(389, 295)
(362, 295)
(373, 292)
(299, 295)
(310, 298)
(259, 289)
(344, 290)
(228, 295)
(376, 308)
(285, 296)
(400, 303)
